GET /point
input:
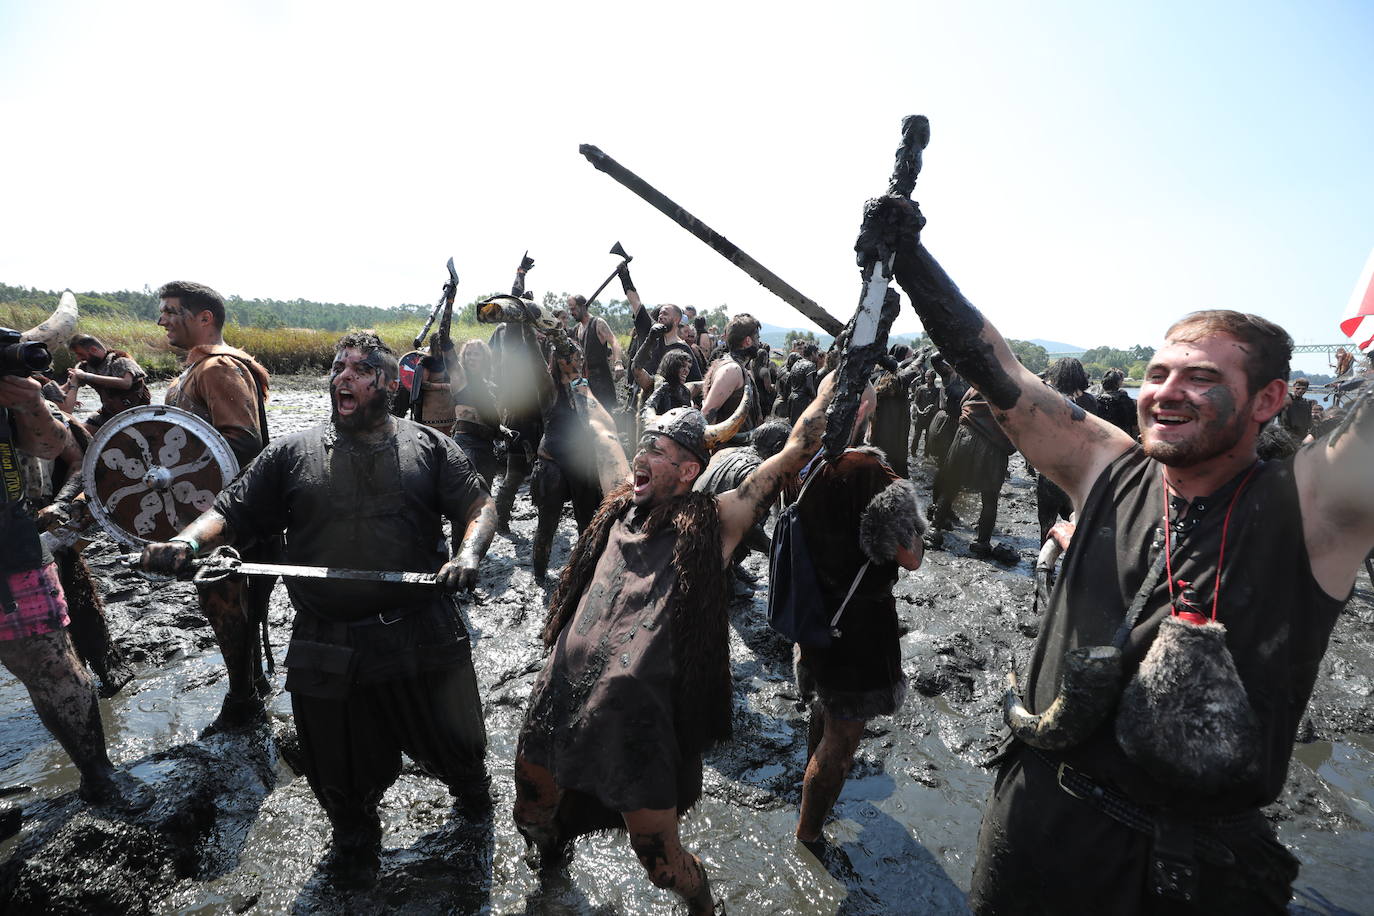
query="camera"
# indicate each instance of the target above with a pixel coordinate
(21, 357)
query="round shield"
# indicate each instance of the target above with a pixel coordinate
(150, 471)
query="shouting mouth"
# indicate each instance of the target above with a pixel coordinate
(641, 481)
(346, 401)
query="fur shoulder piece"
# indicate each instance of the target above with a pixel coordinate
(892, 520)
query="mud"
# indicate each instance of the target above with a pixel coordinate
(236, 830)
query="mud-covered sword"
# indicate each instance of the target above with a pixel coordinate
(864, 339)
(719, 243)
(223, 562)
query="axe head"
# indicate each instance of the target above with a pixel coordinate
(619, 251)
(452, 274)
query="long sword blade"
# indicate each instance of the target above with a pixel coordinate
(719, 243)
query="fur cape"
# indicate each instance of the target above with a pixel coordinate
(700, 622)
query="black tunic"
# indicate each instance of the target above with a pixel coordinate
(1277, 617)
(343, 503)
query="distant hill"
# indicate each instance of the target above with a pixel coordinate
(1055, 346)
(776, 336)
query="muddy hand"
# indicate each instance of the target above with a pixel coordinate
(169, 559)
(458, 574)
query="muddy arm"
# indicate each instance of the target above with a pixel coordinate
(203, 535)
(743, 506)
(1335, 478)
(611, 467)
(40, 433)
(478, 530)
(1069, 445)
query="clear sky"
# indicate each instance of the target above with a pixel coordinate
(1095, 169)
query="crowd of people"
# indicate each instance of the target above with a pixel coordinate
(673, 451)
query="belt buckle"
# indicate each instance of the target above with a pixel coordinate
(1059, 777)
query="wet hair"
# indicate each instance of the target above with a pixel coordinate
(812, 352)
(195, 298)
(85, 340)
(792, 358)
(1067, 376)
(1112, 379)
(1302, 381)
(369, 343)
(1268, 346)
(738, 328)
(672, 362)
(579, 301)
(900, 352)
(769, 437)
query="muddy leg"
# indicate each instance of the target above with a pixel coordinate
(825, 774)
(63, 696)
(224, 605)
(65, 700)
(549, 489)
(536, 810)
(654, 837)
(815, 731)
(987, 517)
(517, 469)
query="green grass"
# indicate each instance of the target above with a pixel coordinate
(281, 350)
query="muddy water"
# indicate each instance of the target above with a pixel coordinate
(236, 830)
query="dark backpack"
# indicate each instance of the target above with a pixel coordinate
(796, 605)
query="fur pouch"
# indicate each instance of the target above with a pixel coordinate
(1185, 717)
(892, 520)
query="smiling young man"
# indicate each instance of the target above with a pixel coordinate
(374, 668)
(1079, 820)
(637, 684)
(227, 387)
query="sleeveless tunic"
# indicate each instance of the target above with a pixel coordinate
(1278, 619)
(601, 718)
(596, 357)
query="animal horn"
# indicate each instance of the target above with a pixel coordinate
(725, 430)
(55, 331)
(1091, 687)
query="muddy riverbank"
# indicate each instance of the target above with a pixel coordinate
(236, 830)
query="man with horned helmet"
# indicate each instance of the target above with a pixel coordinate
(1195, 566)
(637, 684)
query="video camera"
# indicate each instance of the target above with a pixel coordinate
(21, 357)
(502, 308)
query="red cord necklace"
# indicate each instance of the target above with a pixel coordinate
(1192, 616)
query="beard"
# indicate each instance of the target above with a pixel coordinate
(1218, 436)
(367, 416)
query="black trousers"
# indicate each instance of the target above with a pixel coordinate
(1043, 852)
(352, 747)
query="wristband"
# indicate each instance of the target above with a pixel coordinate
(189, 542)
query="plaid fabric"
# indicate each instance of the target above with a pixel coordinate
(35, 604)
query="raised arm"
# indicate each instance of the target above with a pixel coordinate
(1335, 478)
(1063, 441)
(743, 506)
(611, 466)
